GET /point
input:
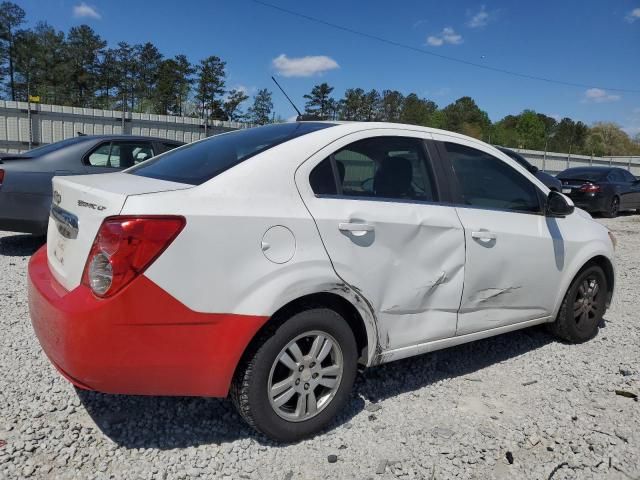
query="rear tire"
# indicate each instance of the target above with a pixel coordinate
(297, 376)
(583, 307)
(613, 209)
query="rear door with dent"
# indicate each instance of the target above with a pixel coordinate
(375, 198)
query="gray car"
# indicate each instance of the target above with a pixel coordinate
(25, 179)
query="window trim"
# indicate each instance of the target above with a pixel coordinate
(85, 159)
(427, 161)
(456, 190)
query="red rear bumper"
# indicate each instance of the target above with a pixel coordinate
(141, 341)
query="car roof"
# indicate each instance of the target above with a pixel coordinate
(127, 137)
(590, 169)
(353, 126)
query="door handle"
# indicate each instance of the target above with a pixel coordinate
(483, 235)
(355, 228)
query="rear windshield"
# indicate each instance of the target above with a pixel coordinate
(588, 175)
(200, 161)
(51, 147)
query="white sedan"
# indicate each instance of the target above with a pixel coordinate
(267, 263)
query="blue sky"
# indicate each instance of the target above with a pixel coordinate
(590, 42)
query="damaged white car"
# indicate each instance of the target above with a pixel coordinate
(267, 263)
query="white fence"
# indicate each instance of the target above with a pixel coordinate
(556, 162)
(44, 124)
(20, 128)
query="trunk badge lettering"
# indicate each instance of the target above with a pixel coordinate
(82, 203)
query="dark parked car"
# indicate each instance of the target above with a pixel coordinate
(549, 180)
(603, 190)
(25, 178)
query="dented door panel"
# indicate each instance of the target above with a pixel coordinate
(410, 266)
(511, 276)
(405, 257)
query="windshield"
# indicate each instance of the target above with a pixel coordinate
(201, 161)
(51, 147)
(588, 175)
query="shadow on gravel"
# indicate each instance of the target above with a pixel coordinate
(177, 422)
(20, 245)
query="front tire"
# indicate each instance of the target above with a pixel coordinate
(583, 307)
(613, 208)
(297, 376)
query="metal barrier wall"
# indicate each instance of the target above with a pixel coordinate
(51, 123)
(553, 163)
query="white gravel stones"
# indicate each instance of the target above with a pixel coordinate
(451, 414)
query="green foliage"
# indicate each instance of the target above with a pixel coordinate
(320, 103)
(231, 106)
(531, 130)
(210, 86)
(260, 111)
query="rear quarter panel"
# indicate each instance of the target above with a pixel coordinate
(217, 263)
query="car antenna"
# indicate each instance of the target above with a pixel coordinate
(300, 116)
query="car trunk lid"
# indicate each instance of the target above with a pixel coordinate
(80, 204)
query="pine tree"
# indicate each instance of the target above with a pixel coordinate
(260, 112)
(320, 103)
(210, 86)
(232, 105)
(11, 17)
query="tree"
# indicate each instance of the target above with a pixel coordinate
(417, 111)
(108, 77)
(260, 111)
(126, 59)
(464, 116)
(11, 17)
(167, 93)
(147, 75)
(612, 139)
(391, 106)
(350, 106)
(210, 86)
(531, 130)
(185, 81)
(39, 64)
(320, 103)
(232, 104)
(84, 47)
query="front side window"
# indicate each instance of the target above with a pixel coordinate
(488, 182)
(200, 161)
(379, 167)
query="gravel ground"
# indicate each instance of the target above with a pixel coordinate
(519, 405)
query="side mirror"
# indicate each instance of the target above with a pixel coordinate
(558, 205)
(534, 169)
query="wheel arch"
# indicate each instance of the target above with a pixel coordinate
(609, 273)
(348, 303)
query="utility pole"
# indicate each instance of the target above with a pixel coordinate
(29, 120)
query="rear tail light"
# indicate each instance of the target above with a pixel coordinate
(590, 188)
(1, 176)
(124, 247)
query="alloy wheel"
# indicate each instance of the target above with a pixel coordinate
(305, 376)
(587, 303)
(615, 205)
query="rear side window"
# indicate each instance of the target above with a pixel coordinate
(119, 154)
(616, 176)
(379, 167)
(200, 161)
(488, 182)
